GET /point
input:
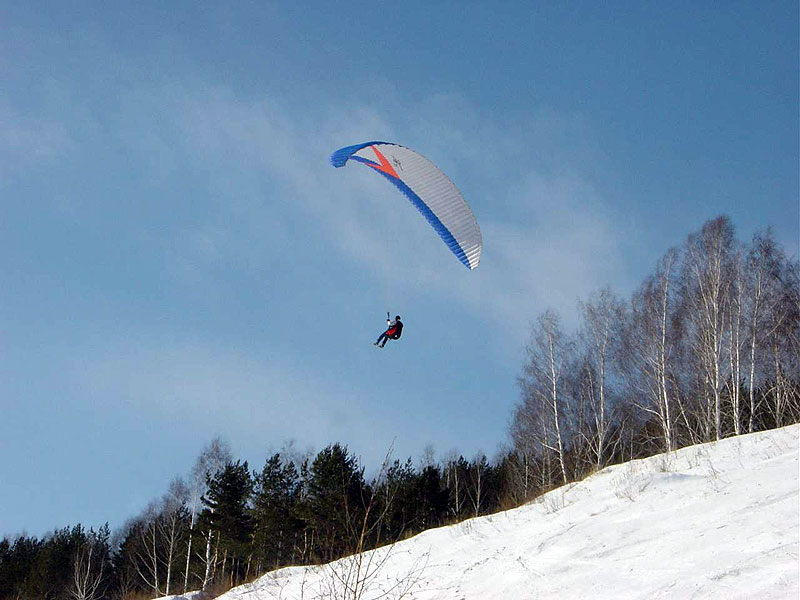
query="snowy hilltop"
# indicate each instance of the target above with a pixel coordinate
(718, 520)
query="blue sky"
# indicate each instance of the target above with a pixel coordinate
(178, 260)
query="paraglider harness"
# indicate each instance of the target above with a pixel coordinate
(393, 332)
(395, 328)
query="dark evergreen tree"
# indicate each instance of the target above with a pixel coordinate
(335, 501)
(6, 576)
(68, 563)
(126, 578)
(49, 573)
(91, 573)
(228, 516)
(16, 562)
(396, 495)
(277, 490)
(430, 499)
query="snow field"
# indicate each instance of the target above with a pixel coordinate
(719, 520)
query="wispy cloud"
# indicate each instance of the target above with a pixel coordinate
(548, 238)
(26, 141)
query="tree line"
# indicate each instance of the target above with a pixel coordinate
(225, 524)
(708, 346)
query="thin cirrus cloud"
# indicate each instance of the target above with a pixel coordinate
(552, 241)
(26, 141)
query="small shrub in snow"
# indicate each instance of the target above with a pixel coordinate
(665, 463)
(553, 502)
(631, 483)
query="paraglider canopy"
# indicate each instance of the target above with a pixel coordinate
(430, 190)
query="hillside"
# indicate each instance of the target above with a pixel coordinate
(714, 521)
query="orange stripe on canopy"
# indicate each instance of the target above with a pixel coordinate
(384, 167)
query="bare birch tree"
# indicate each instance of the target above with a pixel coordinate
(171, 526)
(783, 337)
(759, 261)
(88, 567)
(648, 351)
(525, 454)
(213, 458)
(544, 400)
(477, 483)
(601, 318)
(772, 310)
(147, 556)
(455, 475)
(706, 282)
(736, 327)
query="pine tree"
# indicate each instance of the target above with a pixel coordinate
(430, 498)
(228, 516)
(334, 501)
(277, 490)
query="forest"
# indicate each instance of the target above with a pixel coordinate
(706, 347)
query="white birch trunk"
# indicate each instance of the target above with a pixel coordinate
(554, 403)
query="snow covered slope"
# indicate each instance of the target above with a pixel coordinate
(187, 596)
(712, 521)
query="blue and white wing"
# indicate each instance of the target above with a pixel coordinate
(430, 190)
